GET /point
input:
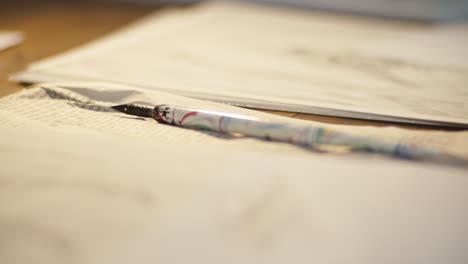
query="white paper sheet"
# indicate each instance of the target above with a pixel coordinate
(81, 184)
(9, 39)
(283, 59)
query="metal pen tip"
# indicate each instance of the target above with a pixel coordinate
(120, 108)
(136, 110)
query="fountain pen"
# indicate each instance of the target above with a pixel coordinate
(304, 136)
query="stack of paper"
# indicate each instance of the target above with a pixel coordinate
(82, 183)
(281, 59)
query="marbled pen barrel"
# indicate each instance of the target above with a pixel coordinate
(237, 124)
(303, 136)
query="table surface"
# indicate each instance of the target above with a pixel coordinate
(54, 27)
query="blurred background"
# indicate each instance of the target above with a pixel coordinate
(405, 9)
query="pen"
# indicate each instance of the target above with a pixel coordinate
(304, 136)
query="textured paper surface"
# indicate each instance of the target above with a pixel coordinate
(86, 106)
(81, 184)
(81, 198)
(284, 59)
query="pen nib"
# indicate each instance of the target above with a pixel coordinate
(136, 110)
